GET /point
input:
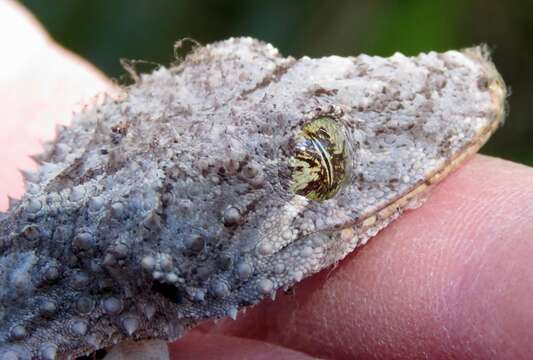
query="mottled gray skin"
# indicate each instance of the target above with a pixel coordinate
(172, 205)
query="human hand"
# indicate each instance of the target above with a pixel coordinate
(452, 279)
(40, 83)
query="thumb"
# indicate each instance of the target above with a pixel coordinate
(40, 83)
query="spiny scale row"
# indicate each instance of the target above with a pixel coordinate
(76, 327)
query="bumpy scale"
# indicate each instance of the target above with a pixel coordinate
(214, 183)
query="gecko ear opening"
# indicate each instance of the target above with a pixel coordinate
(319, 163)
(168, 291)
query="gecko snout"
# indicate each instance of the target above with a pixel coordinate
(490, 80)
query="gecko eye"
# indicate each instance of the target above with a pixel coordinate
(320, 159)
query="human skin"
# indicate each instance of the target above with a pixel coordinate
(452, 279)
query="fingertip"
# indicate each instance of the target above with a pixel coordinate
(40, 85)
(210, 346)
(450, 279)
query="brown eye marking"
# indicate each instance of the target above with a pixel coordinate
(319, 163)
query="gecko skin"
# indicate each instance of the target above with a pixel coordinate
(211, 184)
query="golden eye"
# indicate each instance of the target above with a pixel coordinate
(320, 159)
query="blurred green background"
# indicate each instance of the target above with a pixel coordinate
(105, 31)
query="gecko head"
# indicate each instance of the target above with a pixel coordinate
(296, 162)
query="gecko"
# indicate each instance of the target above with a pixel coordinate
(208, 185)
